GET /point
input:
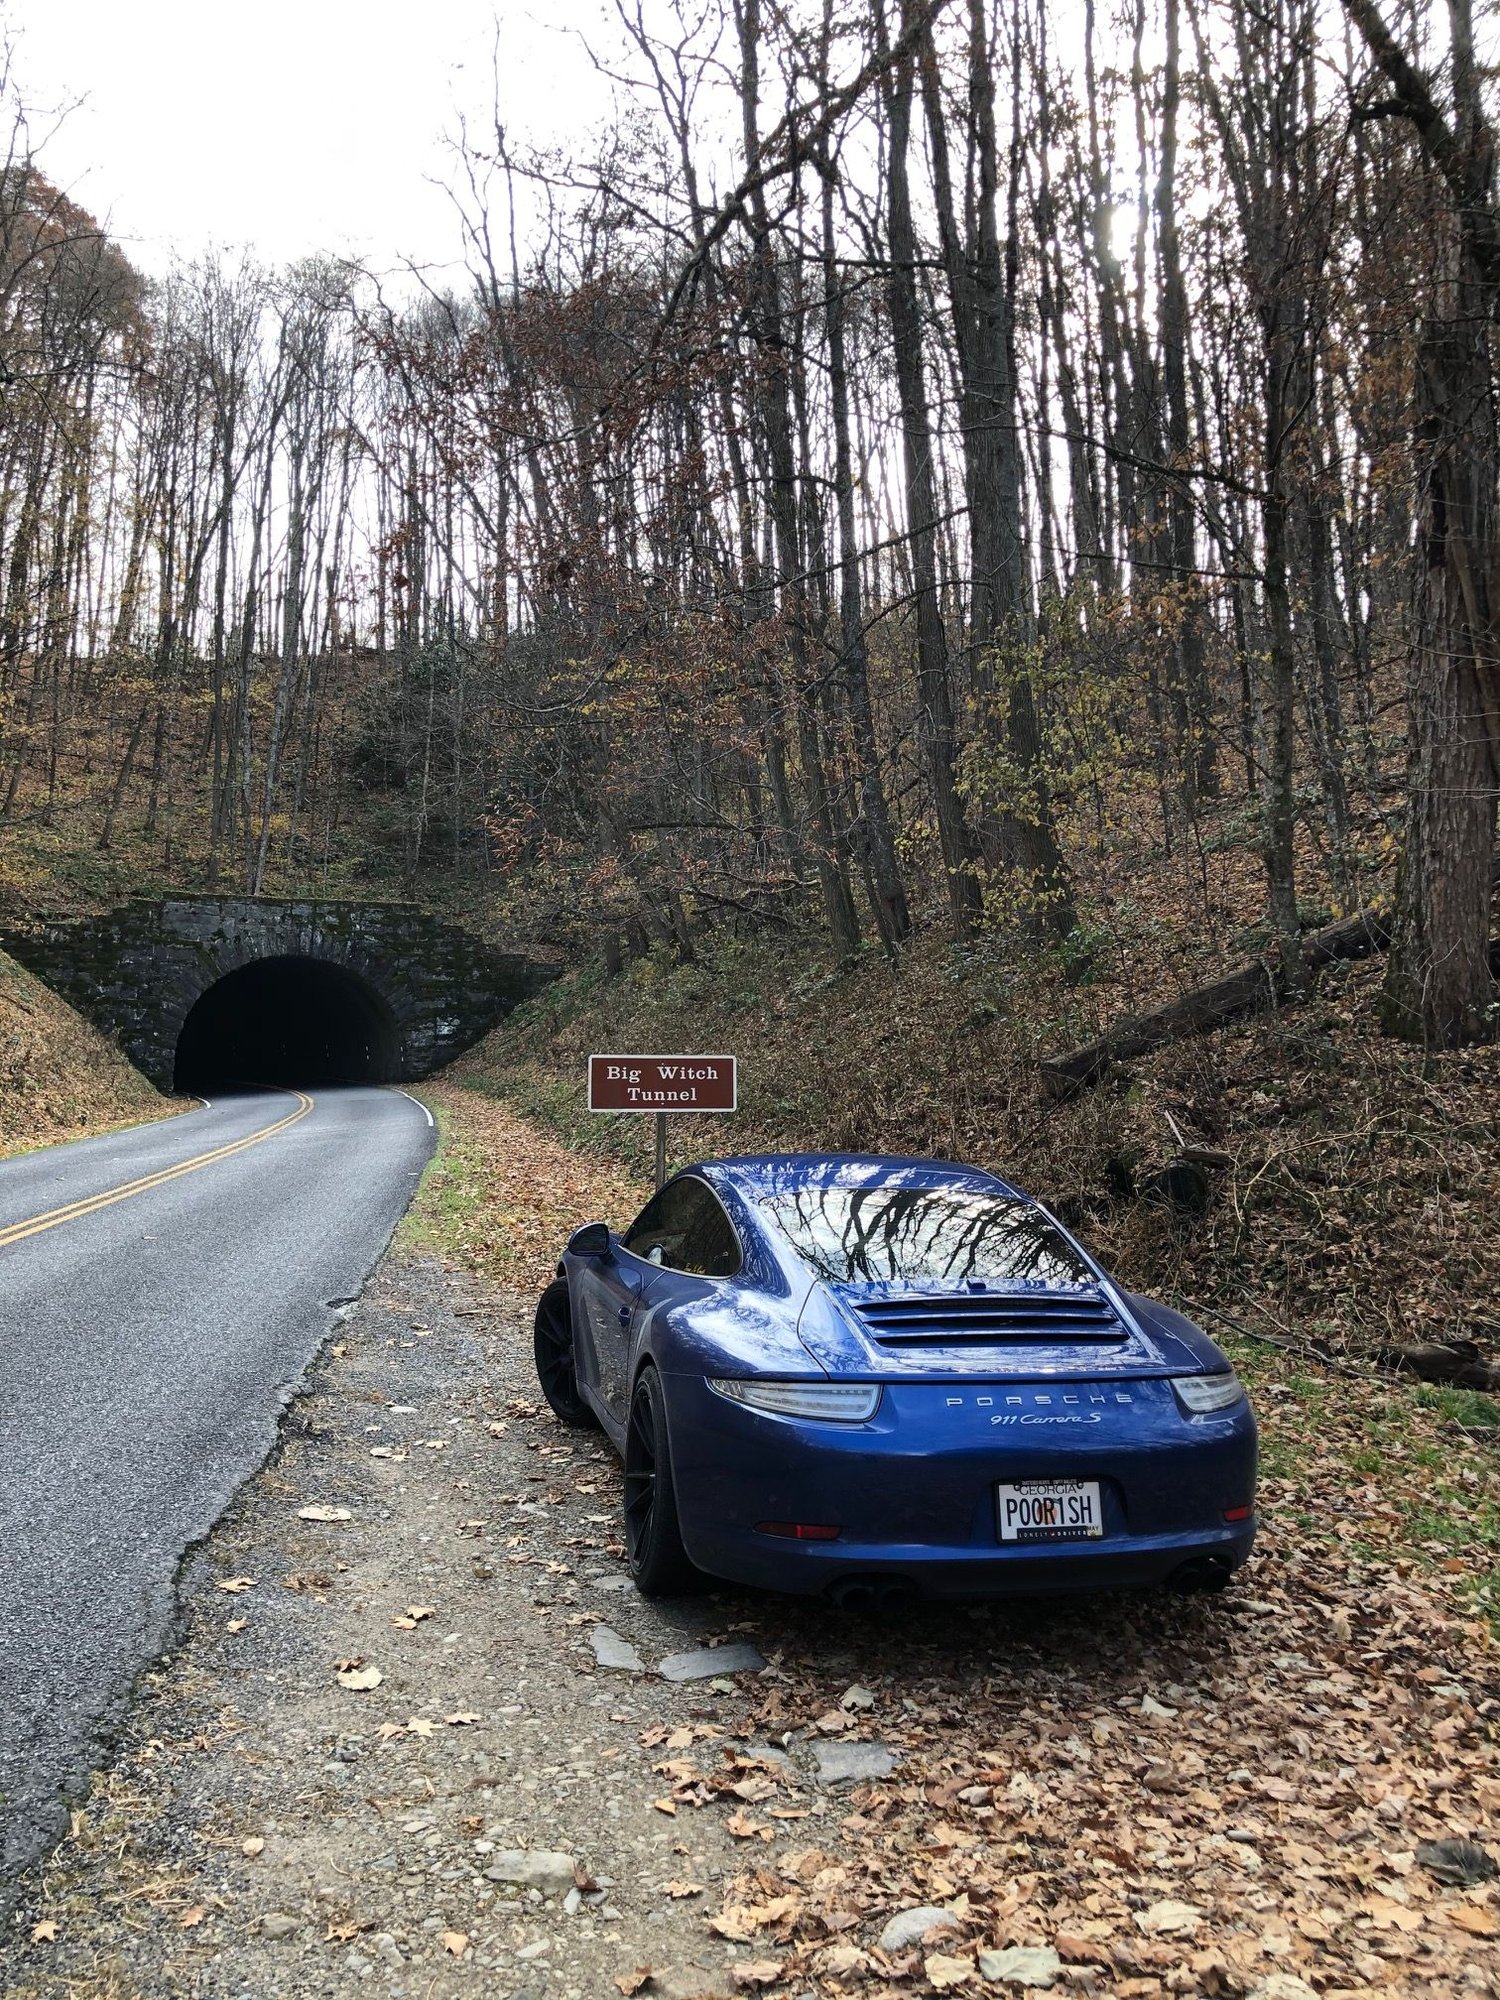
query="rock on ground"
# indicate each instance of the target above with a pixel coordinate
(909, 1927)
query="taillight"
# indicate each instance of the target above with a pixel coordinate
(799, 1531)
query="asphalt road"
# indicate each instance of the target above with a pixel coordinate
(161, 1293)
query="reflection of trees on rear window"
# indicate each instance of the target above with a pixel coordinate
(926, 1236)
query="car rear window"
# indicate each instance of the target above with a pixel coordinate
(926, 1236)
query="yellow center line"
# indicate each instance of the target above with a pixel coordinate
(19, 1231)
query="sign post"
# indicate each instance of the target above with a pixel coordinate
(662, 1085)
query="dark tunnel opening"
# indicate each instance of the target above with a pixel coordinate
(287, 1021)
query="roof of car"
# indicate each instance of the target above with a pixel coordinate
(759, 1175)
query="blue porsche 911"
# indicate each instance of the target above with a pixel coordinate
(870, 1376)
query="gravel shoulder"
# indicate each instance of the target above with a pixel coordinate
(431, 1746)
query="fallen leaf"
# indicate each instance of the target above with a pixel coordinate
(236, 1583)
(1386, 1914)
(845, 1959)
(44, 1932)
(455, 1943)
(342, 1933)
(944, 1972)
(735, 1922)
(236, 1624)
(677, 1890)
(389, 1729)
(252, 1845)
(1475, 1918)
(1079, 1950)
(360, 1679)
(743, 1827)
(755, 1972)
(190, 1919)
(1169, 1919)
(753, 1790)
(464, 1719)
(633, 1982)
(419, 1725)
(667, 1806)
(324, 1514)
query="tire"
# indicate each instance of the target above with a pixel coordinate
(659, 1564)
(556, 1359)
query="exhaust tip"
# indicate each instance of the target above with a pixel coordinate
(870, 1593)
(1201, 1576)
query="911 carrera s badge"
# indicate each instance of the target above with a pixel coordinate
(1039, 1417)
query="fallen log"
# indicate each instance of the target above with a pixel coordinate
(1249, 990)
(1455, 1363)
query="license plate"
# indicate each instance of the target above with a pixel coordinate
(1049, 1510)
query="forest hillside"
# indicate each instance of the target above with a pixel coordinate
(996, 511)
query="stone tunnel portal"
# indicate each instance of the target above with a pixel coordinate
(287, 1020)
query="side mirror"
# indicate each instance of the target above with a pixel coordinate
(590, 1241)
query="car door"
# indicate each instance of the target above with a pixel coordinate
(610, 1294)
(615, 1292)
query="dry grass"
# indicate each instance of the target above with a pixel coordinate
(61, 1079)
(503, 1194)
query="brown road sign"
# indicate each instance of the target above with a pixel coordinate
(662, 1083)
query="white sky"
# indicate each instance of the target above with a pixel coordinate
(290, 126)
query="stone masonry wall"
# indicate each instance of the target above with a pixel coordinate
(137, 972)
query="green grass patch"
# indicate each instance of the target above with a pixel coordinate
(449, 1196)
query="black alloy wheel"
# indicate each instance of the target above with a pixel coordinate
(556, 1360)
(659, 1563)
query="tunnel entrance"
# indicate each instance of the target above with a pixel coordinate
(287, 1021)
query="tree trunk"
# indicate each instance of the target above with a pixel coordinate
(888, 892)
(935, 722)
(1438, 987)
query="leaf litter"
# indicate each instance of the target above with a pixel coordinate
(1274, 1792)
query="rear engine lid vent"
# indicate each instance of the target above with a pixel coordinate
(991, 1319)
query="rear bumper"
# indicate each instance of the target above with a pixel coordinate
(912, 1492)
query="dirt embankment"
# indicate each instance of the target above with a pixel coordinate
(60, 1078)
